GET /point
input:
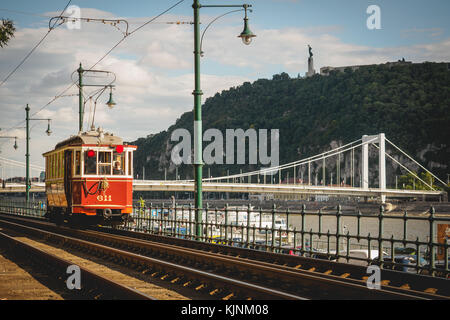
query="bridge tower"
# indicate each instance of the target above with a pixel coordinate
(380, 139)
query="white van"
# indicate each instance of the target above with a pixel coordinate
(280, 223)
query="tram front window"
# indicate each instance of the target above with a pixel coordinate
(104, 163)
(90, 164)
(77, 163)
(118, 163)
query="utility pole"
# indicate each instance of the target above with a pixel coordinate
(198, 148)
(246, 36)
(80, 99)
(27, 156)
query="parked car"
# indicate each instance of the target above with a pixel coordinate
(259, 245)
(404, 251)
(404, 259)
(218, 240)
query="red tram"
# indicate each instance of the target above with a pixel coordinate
(89, 179)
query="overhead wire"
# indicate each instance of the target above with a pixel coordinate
(103, 57)
(34, 48)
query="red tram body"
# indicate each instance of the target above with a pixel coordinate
(89, 179)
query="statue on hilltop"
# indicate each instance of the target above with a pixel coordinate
(311, 70)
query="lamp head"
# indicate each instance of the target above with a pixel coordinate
(48, 131)
(15, 143)
(111, 102)
(246, 35)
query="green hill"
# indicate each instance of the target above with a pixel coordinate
(409, 103)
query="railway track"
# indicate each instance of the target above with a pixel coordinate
(216, 285)
(281, 278)
(94, 286)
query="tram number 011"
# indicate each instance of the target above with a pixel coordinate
(104, 198)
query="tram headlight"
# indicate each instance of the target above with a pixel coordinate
(119, 149)
(91, 153)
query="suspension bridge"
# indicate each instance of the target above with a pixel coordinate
(347, 170)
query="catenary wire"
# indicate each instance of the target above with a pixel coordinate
(34, 48)
(103, 57)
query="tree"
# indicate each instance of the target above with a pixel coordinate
(410, 181)
(7, 30)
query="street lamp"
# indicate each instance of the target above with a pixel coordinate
(110, 102)
(246, 36)
(48, 131)
(11, 137)
(27, 155)
(15, 148)
(81, 103)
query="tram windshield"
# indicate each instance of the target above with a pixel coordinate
(105, 163)
(90, 163)
(119, 163)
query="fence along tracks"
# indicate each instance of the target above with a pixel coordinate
(284, 281)
(402, 282)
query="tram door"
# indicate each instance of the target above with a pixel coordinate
(68, 164)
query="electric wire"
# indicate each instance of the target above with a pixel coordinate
(32, 50)
(103, 57)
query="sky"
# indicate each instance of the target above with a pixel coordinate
(154, 66)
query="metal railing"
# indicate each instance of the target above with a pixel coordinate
(408, 242)
(21, 208)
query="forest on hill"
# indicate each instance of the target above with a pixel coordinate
(410, 103)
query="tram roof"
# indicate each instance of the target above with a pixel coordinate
(93, 137)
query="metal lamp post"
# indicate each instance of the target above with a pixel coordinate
(246, 36)
(27, 155)
(81, 101)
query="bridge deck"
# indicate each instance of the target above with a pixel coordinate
(188, 186)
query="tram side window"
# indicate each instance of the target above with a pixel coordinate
(130, 163)
(118, 163)
(63, 164)
(52, 163)
(77, 163)
(58, 165)
(104, 163)
(90, 164)
(47, 166)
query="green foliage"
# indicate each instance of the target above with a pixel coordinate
(409, 103)
(7, 30)
(411, 181)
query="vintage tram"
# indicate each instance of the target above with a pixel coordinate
(89, 179)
